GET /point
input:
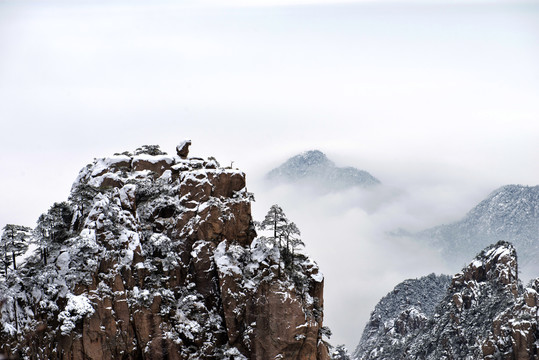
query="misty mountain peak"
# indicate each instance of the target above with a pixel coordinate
(308, 163)
(312, 157)
(315, 168)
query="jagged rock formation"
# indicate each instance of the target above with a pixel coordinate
(515, 332)
(313, 167)
(510, 212)
(485, 314)
(160, 261)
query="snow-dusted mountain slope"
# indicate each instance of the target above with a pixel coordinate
(484, 314)
(402, 313)
(156, 257)
(509, 213)
(313, 167)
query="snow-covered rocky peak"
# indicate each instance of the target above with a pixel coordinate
(313, 167)
(497, 263)
(484, 314)
(400, 315)
(158, 259)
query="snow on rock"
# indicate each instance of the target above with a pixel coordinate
(183, 148)
(77, 308)
(132, 241)
(62, 262)
(226, 258)
(104, 165)
(318, 277)
(162, 262)
(382, 338)
(87, 239)
(483, 314)
(154, 159)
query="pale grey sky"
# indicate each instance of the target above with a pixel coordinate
(440, 100)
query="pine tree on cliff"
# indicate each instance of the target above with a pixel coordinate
(42, 233)
(14, 243)
(4, 254)
(5, 259)
(274, 220)
(150, 150)
(291, 237)
(60, 217)
(285, 234)
(53, 227)
(81, 198)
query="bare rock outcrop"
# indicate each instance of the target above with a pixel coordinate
(161, 262)
(183, 149)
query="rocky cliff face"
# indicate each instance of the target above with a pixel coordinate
(484, 314)
(160, 261)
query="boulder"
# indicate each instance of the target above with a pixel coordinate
(183, 149)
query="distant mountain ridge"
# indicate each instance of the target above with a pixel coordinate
(508, 213)
(315, 168)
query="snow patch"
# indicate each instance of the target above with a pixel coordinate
(103, 164)
(133, 241)
(476, 263)
(78, 307)
(62, 262)
(154, 159)
(226, 259)
(318, 277)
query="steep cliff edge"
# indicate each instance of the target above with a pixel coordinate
(484, 314)
(158, 259)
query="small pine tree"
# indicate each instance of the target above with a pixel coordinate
(42, 233)
(14, 243)
(275, 220)
(81, 199)
(150, 150)
(126, 153)
(61, 216)
(291, 235)
(53, 227)
(5, 259)
(340, 353)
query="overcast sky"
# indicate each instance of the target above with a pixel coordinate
(439, 100)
